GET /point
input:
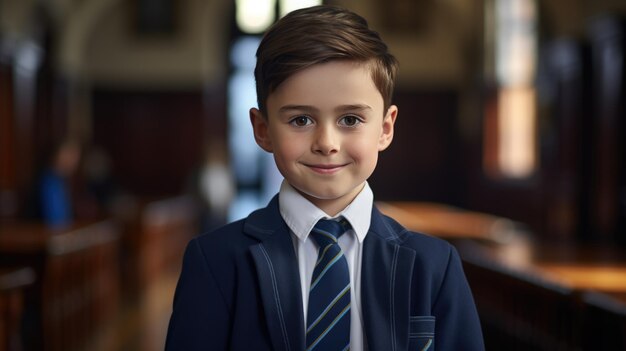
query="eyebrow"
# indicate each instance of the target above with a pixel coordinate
(311, 109)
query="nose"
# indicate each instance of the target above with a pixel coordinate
(326, 141)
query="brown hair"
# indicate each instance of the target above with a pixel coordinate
(320, 34)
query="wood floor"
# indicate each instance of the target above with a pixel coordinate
(141, 324)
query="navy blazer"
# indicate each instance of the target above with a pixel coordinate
(239, 289)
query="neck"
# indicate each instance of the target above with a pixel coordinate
(334, 206)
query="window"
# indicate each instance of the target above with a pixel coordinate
(257, 177)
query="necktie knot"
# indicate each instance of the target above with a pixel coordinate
(327, 232)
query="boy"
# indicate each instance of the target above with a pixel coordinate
(285, 279)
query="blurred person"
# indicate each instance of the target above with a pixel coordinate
(51, 198)
(213, 186)
(99, 182)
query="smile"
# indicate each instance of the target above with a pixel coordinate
(325, 168)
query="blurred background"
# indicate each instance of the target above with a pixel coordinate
(124, 133)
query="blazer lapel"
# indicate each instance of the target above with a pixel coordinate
(385, 287)
(278, 277)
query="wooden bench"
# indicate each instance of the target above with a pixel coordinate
(14, 281)
(520, 311)
(604, 321)
(450, 222)
(167, 226)
(530, 295)
(155, 234)
(78, 287)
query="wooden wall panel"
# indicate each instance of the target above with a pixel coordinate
(422, 163)
(608, 203)
(154, 138)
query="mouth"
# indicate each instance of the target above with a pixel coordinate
(325, 168)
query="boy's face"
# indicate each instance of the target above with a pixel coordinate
(325, 126)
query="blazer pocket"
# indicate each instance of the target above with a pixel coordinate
(422, 333)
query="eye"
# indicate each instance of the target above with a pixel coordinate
(350, 120)
(301, 121)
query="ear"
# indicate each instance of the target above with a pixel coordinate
(260, 128)
(386, 136)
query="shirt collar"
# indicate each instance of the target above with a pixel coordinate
(301, 215)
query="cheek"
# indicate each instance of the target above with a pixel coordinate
(288, 149)
(365, 150)
(370, 139)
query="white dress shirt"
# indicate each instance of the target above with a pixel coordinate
(301, 216)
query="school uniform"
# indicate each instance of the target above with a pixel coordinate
(245, 285)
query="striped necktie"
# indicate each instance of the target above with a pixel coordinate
(328, 317)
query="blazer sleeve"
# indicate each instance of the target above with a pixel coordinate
(457, 326)
(200, 314)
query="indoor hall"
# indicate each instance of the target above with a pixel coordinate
(133, 117)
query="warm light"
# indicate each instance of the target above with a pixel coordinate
(516, 131)
(287, 6)
(255, 16)
(510, 112)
